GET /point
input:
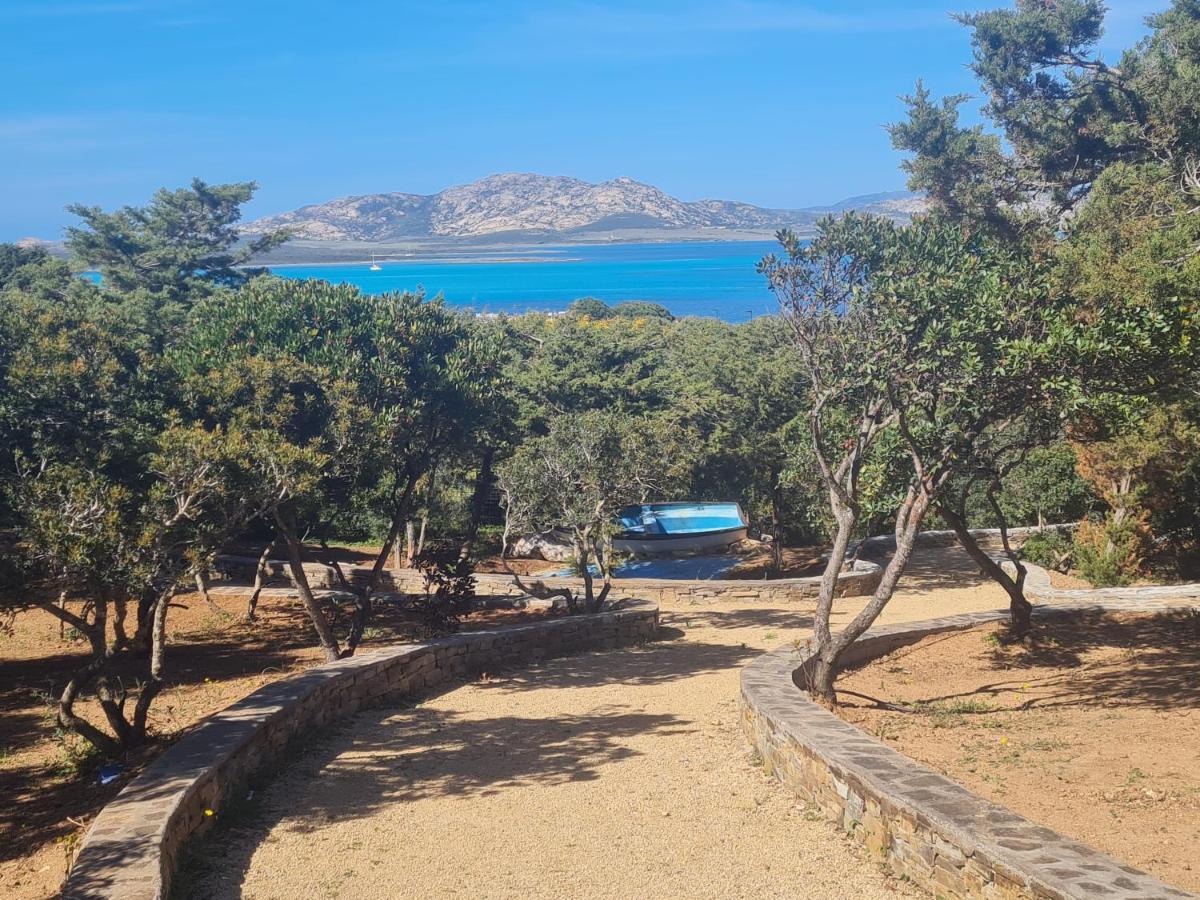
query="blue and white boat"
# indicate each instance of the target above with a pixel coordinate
(657, 528)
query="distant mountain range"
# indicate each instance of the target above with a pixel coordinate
(525, 206)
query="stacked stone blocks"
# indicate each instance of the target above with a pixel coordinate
(927, 828)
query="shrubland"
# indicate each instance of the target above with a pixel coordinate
(1023, 353)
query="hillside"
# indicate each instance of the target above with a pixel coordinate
(516, 205)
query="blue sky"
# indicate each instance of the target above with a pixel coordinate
(776, 103)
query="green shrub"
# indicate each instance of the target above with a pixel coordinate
(1048, 549)
(1110, 554)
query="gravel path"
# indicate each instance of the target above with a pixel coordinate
(612, 774)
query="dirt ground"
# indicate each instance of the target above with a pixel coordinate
(798, 562)
(614, 774)
(611, 774)
(48, 780)
(1092, 730)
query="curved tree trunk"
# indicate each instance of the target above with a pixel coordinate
(483, 481)
(154, 684)
(325, 635)
(260, 579)
(1020, 609)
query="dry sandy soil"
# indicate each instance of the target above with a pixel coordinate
(614, 774)
(1092, 729)
(48, 782)
(798, 562)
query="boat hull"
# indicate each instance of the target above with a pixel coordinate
(656, 529)
(682, 543)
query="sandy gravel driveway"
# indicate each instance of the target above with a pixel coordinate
(612, 774)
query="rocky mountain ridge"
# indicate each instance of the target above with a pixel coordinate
(539, 205)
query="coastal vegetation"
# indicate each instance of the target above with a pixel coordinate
(1024, 352)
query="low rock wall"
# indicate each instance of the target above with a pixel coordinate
(860, 581)
(987, 538)
(131, 850)
(925, 826)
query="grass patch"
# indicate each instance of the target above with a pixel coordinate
(949, 713)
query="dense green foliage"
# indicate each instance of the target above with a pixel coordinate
(1026, 352)
(1094, 164)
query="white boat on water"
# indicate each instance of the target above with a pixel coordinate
(375, 267)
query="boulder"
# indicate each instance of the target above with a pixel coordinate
(554, 546)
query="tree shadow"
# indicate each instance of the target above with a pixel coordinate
(659, 662)
(767, 617)
(935, 568)
(397, 756)
(1156, 665)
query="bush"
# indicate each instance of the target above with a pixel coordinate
(1109, 553)
(1048, 549)
(449, 590)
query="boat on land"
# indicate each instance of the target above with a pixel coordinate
(653, 529)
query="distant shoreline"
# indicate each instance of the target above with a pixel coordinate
(300, 252)
(416, 260)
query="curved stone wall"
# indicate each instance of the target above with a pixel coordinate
(859, 581)
(924, 825)
(131, 849)
(1038, 588)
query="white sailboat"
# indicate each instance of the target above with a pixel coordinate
(375, 267)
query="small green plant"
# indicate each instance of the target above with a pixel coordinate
(76, 757)
(449, 589)
(1049, 549)
(1135, 775)
(948, 714)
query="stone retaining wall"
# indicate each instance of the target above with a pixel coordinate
(862, 580)
(987, 538)
(925, 826)
(1039, 590)
(131, 850)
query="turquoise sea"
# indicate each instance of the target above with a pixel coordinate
(700, 278)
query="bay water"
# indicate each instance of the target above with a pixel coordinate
(694, 278)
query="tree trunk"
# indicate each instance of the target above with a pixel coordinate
(421, 534)
(201, 576)
(582, 558)
(483, 481)
(408, 543)
(81, 678)
(1020, 609)
(154, 684)
(260, 579)
(831, 647)
(325, 635)
(776, 527)
(392, 542)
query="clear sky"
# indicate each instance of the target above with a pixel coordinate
(769, 101)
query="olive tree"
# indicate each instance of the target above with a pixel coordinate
(924, 331)
(576, 478)
(109, 499)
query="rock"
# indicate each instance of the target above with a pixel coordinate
(551, 545)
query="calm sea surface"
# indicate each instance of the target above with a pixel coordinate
(690, 279)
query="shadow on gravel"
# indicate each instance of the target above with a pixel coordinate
(767, 617)
(935, 568)
(406, 753)
(386, 757)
